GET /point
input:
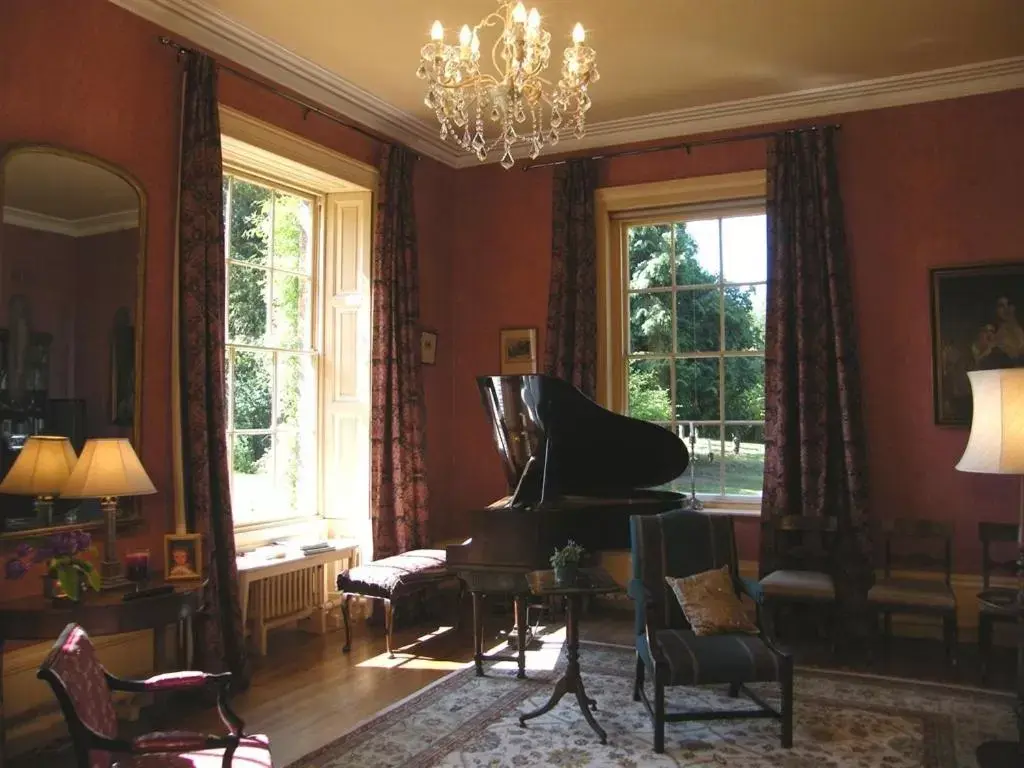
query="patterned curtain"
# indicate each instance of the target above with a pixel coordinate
(398, 482)
(201, 275)
(814, 438)
(570, 351)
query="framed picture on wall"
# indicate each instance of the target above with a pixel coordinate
(975, 326)
(518, 350)
(428, 347)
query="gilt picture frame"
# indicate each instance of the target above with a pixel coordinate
(518, 350)
(183, 556)
(975, 326)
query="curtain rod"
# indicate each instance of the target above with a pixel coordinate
(306, 106)
(688, 145)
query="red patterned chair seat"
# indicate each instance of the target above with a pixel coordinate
(252, 752)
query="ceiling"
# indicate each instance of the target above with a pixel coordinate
(65, 195)
(658, 55)
(685, 57)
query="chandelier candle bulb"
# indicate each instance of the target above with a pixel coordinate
(519, 14)
(437, 32)
(579, 35)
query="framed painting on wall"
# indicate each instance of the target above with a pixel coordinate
(974, 327)
(518, 350)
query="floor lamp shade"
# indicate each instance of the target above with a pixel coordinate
(42, 467)
(996, 442)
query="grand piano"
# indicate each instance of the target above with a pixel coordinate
(575, 471)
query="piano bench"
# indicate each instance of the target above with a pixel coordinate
(390, 579)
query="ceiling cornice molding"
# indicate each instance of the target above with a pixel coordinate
(92, 225)
(224, 37)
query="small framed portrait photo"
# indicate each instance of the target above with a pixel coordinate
(183, 555)
(518, 350)
(428, 347)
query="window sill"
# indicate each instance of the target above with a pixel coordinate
(253, 535)
(733, 509)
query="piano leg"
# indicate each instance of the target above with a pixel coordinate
(478, 633)
(521, 627)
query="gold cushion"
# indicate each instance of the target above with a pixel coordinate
(710, 604)
(915, 593)
(807, 584)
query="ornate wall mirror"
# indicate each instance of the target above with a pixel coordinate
(72, 257)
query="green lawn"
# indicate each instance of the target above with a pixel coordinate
(744, 472)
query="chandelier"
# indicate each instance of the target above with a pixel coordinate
(482, 112)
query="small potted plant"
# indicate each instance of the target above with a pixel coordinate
(67, 573)
(566, 562)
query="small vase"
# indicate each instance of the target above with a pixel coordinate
(53, 591)
(565, 575)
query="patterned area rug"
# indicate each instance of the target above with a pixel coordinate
(842, 720)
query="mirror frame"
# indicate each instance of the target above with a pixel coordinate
(9, 151)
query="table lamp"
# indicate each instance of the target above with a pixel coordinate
(41, 469)
(996, 447)
(108, 468)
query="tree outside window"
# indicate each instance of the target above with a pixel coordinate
(271, 374)
(695, 363)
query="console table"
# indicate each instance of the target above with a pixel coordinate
(104, 613)
(287, 586)
(1007, 754)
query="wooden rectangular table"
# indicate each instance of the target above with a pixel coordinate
(288, 588)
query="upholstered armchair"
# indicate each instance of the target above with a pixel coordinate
(84, 689)
(679, 544)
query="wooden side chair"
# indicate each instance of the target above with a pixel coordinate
(83, 688)
(917, 545)
(994, 537)
(680, 544)
(804, 544)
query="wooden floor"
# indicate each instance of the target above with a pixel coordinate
(306, 693)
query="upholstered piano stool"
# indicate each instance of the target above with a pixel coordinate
(391, 579)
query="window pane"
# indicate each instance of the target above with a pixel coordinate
(250, 223)
(296, 392)
(744, 388)
(744, 317)
(744, 459)
(295, 473)
(650, 256)
(697, 385)
(704, 442)
(745, 249)
(649, 390)
(251, 389)
(650, 322)
(697, 259)
(292, 311)
(252, 480)
(293, 233)
(699, 320)
(247, 304)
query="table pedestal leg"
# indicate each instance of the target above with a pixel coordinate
(520, 611)
(571, 681)
(478, 633)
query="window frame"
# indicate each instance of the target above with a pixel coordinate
(313, 351)
(617, 208)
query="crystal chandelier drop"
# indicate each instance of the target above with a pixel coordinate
(517, 103)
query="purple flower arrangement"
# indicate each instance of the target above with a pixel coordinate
(62, 552)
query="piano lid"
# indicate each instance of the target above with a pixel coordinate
(557, 442)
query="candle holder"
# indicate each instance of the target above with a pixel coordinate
(137, 567)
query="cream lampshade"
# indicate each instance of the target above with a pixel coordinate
(41, 469)
(996, 442)
(108, 468)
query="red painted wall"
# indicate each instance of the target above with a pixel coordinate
(103, 85)
(924, 186)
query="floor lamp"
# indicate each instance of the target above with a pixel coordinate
(996, 447)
